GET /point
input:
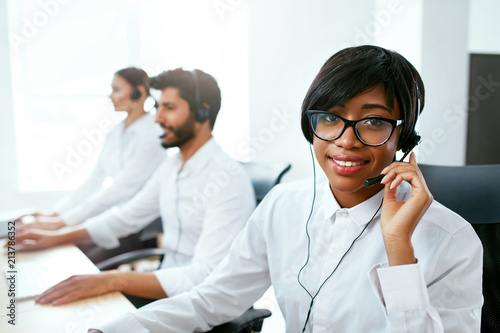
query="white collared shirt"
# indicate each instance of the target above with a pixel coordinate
(129, 157)
(203, 207)
(441, 293)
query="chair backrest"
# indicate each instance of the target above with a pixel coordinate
(473, 191)
(265, 176)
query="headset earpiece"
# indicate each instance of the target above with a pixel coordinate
(136, 94)
(410, 143)
(201, 113)
(414, 138)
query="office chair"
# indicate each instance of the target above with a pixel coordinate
(473, 192)
(264, 178)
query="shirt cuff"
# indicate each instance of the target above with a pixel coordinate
(173, 280)
(72, 217)
(399, 288)
(101, 233)
(123, 323)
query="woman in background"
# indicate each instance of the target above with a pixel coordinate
(130, 154)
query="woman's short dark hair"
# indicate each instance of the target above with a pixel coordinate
(352, 71)
(135, 76)
(208, 90)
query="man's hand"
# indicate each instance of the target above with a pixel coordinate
(81, 286)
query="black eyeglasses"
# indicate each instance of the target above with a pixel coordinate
(371, 131)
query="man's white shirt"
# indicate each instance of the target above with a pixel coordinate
(203, 207)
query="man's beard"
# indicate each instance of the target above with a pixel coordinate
(182, 134)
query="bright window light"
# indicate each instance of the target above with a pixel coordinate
(64, 54)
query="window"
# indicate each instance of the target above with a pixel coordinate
(64, 54)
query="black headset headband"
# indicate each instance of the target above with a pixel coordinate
(201, 113)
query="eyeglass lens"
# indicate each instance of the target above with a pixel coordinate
(370, 131)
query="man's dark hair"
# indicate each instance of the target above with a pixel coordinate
(208, 89)
(354, 70)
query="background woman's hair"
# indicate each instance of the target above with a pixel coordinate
(135, 76)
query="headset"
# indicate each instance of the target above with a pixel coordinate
(201, 113)
(406, 146)
(136, 94)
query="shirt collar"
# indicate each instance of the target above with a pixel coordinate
(137, 125)
(200, 159)
(330, 205)
(365, 211)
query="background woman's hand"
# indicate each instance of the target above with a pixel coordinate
(37, 240)
(399, 218)
(42, 223)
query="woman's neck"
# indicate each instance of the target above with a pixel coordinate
(133, 115)
(349, 200)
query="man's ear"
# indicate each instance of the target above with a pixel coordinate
(205, 105)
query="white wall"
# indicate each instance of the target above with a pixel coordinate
(484, 26)
(445, 68)
(289, 42)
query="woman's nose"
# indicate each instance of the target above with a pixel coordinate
(348, 139)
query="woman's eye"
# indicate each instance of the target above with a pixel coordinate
(331, 118)
(374, 122)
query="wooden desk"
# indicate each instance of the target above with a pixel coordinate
(70, 318)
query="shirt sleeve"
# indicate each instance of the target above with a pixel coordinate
(119, 221)
(449, 300)
(128, 182)
(236, 283)
(224, 218)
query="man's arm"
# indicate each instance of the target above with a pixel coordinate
(106, 229)
(236, 283)
(83, 286)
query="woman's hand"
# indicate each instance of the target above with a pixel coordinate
(37, 239)
(42, 223)
(33, 239)
(37, 214)
(399, 218)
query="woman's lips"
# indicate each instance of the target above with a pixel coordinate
(347, 165)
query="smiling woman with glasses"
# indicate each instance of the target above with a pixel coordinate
(342, 257)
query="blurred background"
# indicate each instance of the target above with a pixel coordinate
(58, 57)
